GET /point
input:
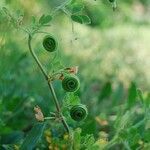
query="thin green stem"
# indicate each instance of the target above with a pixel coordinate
(49, 84)
(69, 16)
(36, 59)
(54, 96)
(58, 106)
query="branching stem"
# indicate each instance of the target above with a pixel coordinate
(49, 84)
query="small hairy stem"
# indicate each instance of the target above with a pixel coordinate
(58, 106)
(36, 59)
(49, 84)
(54, 96)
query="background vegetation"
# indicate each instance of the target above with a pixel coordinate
(113, 58)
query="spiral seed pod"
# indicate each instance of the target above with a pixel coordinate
(50, 43)
(78, 112)
(112, 1)
(70, 83)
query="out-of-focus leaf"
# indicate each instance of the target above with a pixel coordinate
(117, 95)
(146, 135)
(71, 99)
(33, 137)
(33, 20)
(106, 91)
(59, 3)
(77, 139)
(147, 100)
(140, 95)
(147, 125)
(83, 19)
(123, 120)
(88, 141)
(90, 126)
(5, 10)
(75, 8)
(133, 137)
(12, 138)
(6, 147)
(76, 18)
(12, 103)
(132, 94)
(57, 65)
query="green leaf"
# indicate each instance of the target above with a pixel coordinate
(147, 100)
(83, 19)
(118, 94)
(146, 135)
(33, 20)
(132, 94)
(147, 125)
(59, 3)
(12, 138)
(88, 141)
(33, 137)
(45, 19)
(106, 91)
(77, 139)
(5, 10)
(76, 18)
(90, 126)
(57, 65)
(70, 100)
(77, 8)
(140, 95)
(123, 120)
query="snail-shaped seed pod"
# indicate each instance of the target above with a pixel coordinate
(70, 83)
(112, 1)
(78, 112)
(50, 43)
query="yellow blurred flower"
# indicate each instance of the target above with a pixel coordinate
(66, 136)
(101, 142)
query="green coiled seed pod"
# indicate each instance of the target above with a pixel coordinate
(71, 83)
(50, 43)
(78, 112)
(112, 1)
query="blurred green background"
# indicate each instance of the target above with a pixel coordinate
(111, 52)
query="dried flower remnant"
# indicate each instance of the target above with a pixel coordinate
(38, 113)
(73, 70)
(70, 70)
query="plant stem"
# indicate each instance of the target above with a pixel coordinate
(36, 59)
(49, 84)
